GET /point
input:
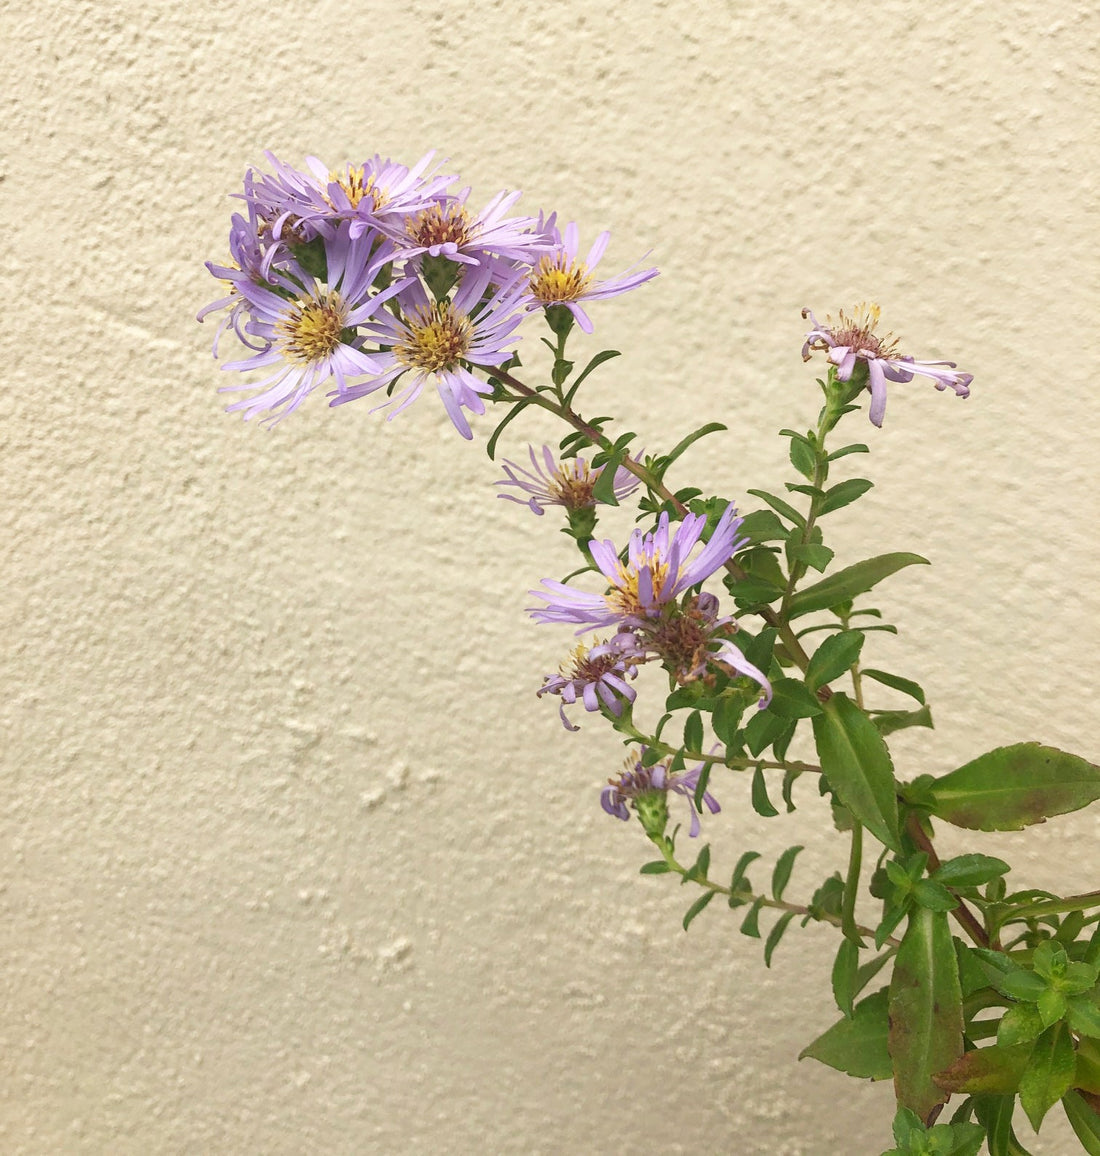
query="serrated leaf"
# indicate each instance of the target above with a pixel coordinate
(1013, 787)
(761, 804)
(698, 906)
(775, 935)
(857, 766)
(926, 1017)
(1049, 1073)
(782, 873)
(896, 682)
(857, 1045)
(834, 657)
(846, 584)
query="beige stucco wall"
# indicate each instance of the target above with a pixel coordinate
(292, 859)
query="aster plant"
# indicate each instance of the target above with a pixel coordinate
(375, 280)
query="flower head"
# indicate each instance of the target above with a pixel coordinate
(302, 330)
(659, 567)
(559, 278)
(646, 789)
(437, 342)
(596, 675)
(567, 483)
(853, 339)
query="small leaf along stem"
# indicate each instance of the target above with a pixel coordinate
(748, 897)
(965, 917)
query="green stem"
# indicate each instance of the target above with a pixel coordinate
(851, 886)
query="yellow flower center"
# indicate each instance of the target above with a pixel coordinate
(439, 224)
(624, 598)
(438, 336)
(311, 330)
(558, 279)
(572, 484)
(357, 183)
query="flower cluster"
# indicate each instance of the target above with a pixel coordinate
(646, 790)
(378, 276)
(651, 607)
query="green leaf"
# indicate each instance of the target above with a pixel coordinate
(666, 460)
(1049, 1074)
(781, 507)
(763, 526)
(846, 584)
(1083, 1016)
(761, 804)
(969, 870)
(926, 1017)
(845, 967)
(491, 446)
(782, 873)
(699, 869)
(814, 555)
(1084, 1122)
(858, 448)
(604, 489)
(857, 766)
(738, 877)
(834, 657)
(599, 359)
(698, 906)
(1021, 984)
(843, 494)
(750, 925)
(889, 721)
(791, 699)
(803, 454)
(995, 1114)
(934, 896)
(655, 867)
(995, 1070)
(1012, 787)
(905, 685)
(693, 732)
(1020, 1025)
(775, 935)
(857, 1045)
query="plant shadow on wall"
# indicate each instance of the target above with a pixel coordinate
(378, 281)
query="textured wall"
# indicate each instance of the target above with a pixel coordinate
(293, 861)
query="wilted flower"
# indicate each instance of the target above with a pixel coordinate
(646, 789)
(657, 570)
(567, 483)
(560, 279)
(596, 675)
(853, 339)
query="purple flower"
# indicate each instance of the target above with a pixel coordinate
(646, 790)
(567, 483)
(596, 676)
(366, 195)
(560, 279)
(852, 339)
(446, 228)
(435, 341)
(658, 570)
(302, 329)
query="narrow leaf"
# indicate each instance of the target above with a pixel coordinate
(604, 489)
(889, 721)
(782, 873)
(1012, 787)
(857, 766)
(693, 732)
(905, 685)
(491, 446)
(599, 359)
(698, 906)
(781, 507)
(843, 494)
(1084, 1122)
(775, 935)
(761, 804)
(969, 870)
(691, 439)
(738, 882)
(846, 584)
(845, 967)
(655, 867)
(750, 925)
(926, 1018)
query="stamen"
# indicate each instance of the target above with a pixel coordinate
(311, 330)
(557, 279)
(439, 224)
(438, 337)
